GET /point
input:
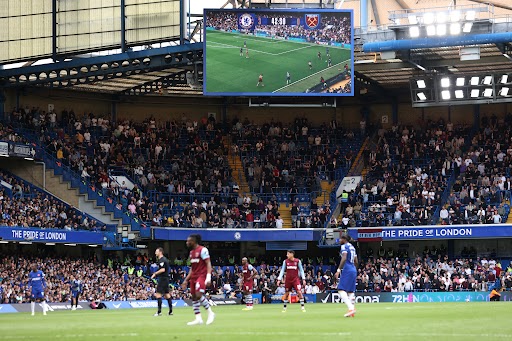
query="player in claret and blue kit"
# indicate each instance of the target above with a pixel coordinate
(75, 286)
(294, 272)
(37, 286)
(347, 283)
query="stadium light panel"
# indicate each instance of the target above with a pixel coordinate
(441, 30)
(467, 27)
(460, 81)
(459, 94)
(445, 82)
(455, 29)
(474, 80)
(421, 96)
(504, 91)
(421, 84)
(441, 17)
(487, 80)
(504, 79)
(429, 18)
(488, 93)
(475, 93)
(445, 94)
(431, 30)
(470, 15)
(454, 16)
(414, 31)
(413, 19)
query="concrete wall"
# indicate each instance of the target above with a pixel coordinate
(348, 112)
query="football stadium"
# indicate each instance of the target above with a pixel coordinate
(255, 169)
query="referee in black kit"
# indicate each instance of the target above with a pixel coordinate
(162, 289)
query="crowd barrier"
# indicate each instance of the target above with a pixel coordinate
(323, 298)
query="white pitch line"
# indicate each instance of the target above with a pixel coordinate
(226, 46)
(300, 80)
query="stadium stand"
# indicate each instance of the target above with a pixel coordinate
(120, 279)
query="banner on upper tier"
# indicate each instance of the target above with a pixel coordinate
(432, 232)
(413, 297)
(236, 235)
(50, 235)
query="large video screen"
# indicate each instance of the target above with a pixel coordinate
(278, 52)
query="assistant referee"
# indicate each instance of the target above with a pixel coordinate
(162, 289)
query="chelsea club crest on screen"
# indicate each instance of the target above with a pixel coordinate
(246, 21)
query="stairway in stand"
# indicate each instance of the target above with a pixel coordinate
(324, 196)
(236, 166)
(286, 214)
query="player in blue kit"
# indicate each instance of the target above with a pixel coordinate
(75, 286)
(37, 286)
(347, 283)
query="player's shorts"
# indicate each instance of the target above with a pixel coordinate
(37, 295)
(348, 281)
(163, 286)
(75, 294)
(289, 286)
(248, 286)
(197, 285)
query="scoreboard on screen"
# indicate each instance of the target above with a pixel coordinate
(248, 21)
(278, 52)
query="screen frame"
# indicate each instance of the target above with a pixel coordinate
(280, 94)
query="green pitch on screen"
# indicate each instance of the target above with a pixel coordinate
(227, 71)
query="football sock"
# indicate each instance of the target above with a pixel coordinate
(169, 302)
(205, 302)
(196, 305)
(344, 298)
(285, 303)
(33, 306)
(302, 302)
(248, 300)
(352, 298)
(159, 304)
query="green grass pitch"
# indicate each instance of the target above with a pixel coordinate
(227, 71)
(414, 321)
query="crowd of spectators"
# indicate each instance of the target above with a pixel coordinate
(225, 21)
(407, 174)
(331, 29)
(193, 184)
(481, 193)
(128, 279)
(21, 205)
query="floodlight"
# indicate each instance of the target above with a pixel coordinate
(431, 30)
(441, 29)
(504, 79)
(421, 96)
(504, 91)
(455, 29)
(445, 82)
(487, 80)
(467, 27)
(454, 16)
(414, 31)
(488, 93)
(445, 94)
(474, 80)
(413, 19)
(459, 94)
(475, 93)
(441, 17)
(428, 18)
(421, 84)
(470, 15)
(460, 81)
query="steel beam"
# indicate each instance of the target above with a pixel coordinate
(94, 69)
(155, 85)
(428, 64)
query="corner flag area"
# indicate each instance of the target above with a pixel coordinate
(229, 71)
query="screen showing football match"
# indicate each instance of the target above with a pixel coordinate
(278, 53)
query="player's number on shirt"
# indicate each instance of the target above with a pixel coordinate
(352, 254)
